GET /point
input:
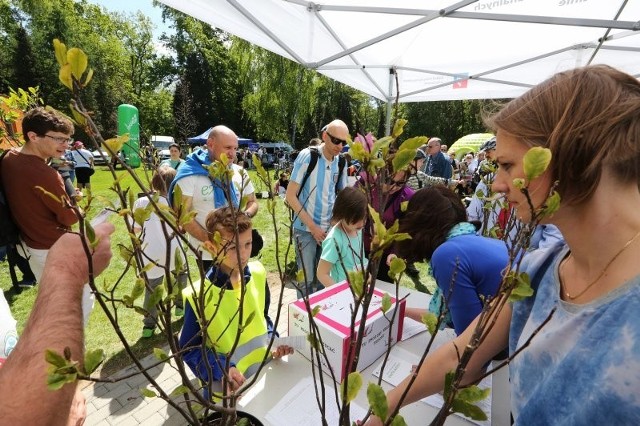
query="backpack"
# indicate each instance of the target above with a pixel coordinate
(313, 160)
(9, 232)
(315, 154)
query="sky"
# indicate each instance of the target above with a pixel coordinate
(132, 6)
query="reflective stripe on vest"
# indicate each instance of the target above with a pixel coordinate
(222, 312)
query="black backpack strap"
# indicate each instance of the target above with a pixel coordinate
(342, 162)
(313, 160)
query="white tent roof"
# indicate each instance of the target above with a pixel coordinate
(441, 49)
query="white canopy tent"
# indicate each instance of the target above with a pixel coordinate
(437, 49)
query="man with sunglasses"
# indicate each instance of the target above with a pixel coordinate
(438, 165)
(28, 182)
(311, 197)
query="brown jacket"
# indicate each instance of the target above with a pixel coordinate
(41, 219)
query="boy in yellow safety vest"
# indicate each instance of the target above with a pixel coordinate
(228, 307)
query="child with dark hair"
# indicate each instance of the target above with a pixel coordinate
(342, 249)
(155, 236)
(233, 299)
(467, 267)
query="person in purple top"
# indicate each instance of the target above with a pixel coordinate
(395, 191)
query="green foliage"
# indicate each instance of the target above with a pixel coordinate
(430, 320)
(354, 383)
(160, 354)
(535, 162)
(92, 360)
(522, 286)
(377, 401)
(385, 303)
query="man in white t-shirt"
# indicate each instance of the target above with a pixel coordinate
(201, 194)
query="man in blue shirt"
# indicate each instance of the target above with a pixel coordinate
(438, 165)
(312, 199)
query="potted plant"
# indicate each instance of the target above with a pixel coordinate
(191, 398)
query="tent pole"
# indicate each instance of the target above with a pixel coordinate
(387, 125)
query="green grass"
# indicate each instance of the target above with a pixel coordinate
(100, 333)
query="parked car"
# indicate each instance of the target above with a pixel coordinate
(161, 144)
(99, 160)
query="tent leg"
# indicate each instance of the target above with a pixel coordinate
(387, 126)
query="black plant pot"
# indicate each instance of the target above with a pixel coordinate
(215, 418)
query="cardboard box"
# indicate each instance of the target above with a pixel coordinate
(333, 321)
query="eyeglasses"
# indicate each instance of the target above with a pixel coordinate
(60, 139)
(334, 140)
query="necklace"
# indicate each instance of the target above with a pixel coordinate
(627, 244)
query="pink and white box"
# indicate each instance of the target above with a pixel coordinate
(336, 303)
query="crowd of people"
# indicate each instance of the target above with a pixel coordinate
(579, 369)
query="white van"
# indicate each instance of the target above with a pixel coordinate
(161, 144)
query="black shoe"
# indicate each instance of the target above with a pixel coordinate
(26, 283)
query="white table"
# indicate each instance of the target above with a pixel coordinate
(279, 376)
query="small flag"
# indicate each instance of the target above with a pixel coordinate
(460, 81)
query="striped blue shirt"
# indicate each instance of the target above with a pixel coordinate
(318, 194)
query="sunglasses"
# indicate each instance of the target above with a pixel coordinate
(401, 182)
(334, 140)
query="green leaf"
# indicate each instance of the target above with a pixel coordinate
(138, 288)
(403, 206)
(356, 282)
(156, 296)
(180, 390)
(148, 393)
(315, 310)
(468, 410)
(398, 420)
(398, 128)
(552, 204)
(54, 358)
(78, 61)
(535, 162)
(397, 266)
(160, 354)
(522, 288)
(177, 198)
(386, 303)
(413, 143)
(518, 183)
(49, 194)
(473, 394)
(448, 384)
(60, 50)
(430, 320)
(92, 360)
(377, 400)
(90, 233)
(402, 159)
(313, 341)
(354, 383)
(79, 118)
(249, 320)
(140, 215)
(88, 78)
(300, 276)
(65, 76)
(56, 381)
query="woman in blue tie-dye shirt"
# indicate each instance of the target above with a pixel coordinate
(583, 367)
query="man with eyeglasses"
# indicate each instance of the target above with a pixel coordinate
(438, 165)
(28, 182)
(312, 196)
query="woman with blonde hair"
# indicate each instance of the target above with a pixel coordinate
(582, 366)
